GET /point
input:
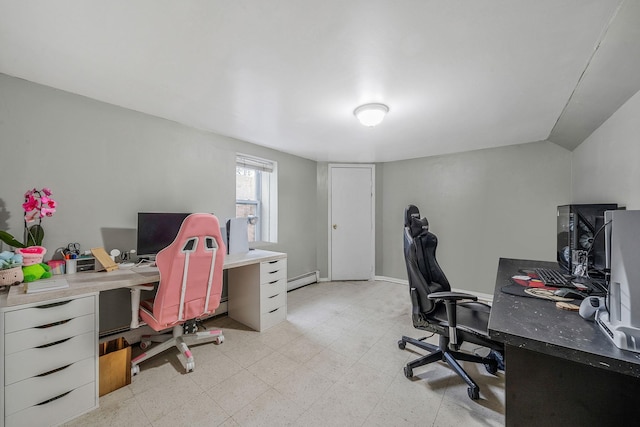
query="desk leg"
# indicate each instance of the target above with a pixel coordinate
(548, 391)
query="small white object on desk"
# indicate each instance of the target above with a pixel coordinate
(46, 285)
(125, 265)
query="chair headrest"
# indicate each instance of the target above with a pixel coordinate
(410, 211)
(419, 226)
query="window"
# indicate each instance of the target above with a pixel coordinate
(257, 197)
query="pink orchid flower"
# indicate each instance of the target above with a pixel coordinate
(31, 216)
(46, 191)
(30, 204)
(46, 201)
(46, 212)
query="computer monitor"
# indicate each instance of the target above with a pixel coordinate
(621, 319)
(156, 231)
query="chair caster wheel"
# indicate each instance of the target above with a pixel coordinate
(145, 344)
(401, 345)
(220, 339)
(408, 372)
(474, 393)
(491, 368)
(135, 370)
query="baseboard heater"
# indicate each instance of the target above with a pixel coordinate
(303, 280)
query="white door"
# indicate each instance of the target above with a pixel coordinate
(351, 222)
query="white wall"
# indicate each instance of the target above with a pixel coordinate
(105, 163)
(482, 205)
(606, 166)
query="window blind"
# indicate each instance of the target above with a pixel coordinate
(254, 163)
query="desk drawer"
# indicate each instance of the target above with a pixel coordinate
(36, 361)
(273, 302)
(273, 270)
(37, 337)
(272, 318)
(56, 411)
(35, 390)
(267, 290)
(46, 314)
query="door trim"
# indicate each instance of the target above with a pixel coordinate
(372, 167)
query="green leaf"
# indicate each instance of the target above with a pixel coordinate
(35, 235)
(10, 240)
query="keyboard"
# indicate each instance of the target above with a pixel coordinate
(554, 278)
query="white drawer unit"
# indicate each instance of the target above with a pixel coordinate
(258, 294)
(50, 358)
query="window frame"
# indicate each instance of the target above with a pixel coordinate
(266, 230)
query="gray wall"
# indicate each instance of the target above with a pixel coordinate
(105, 163)
(482, 205)
(606, 167)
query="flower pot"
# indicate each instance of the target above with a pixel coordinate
(11, 276)
(31, 254)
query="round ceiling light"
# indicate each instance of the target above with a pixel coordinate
(371, 114)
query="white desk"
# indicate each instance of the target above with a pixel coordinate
(49, 340)
(91, 281)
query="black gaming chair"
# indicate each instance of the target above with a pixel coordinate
(455, 316)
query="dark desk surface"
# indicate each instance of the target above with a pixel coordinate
(537, 325)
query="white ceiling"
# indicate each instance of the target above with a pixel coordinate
(287, 74)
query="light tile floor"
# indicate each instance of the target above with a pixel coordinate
(334, 362)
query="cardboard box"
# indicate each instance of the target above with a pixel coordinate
(115, 365)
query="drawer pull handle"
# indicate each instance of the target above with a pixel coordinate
(275, 281)
(54, 398)
(53, 304)
(49, 325)
(273, 272)
(273, 296)
(53, 343)
(273, 262)
(53, 371)
(274, 310)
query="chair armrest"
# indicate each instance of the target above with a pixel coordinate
(135, 303)
(450, 300)
(452, 296)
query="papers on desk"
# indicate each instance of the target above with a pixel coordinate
(42, 285)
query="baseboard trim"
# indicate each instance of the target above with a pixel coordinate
(303, 280)
(392, 280)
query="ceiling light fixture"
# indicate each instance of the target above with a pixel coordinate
(371, 114)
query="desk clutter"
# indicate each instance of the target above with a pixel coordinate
(25, 265)
(613, 302)
(551, 285)
(549, 348)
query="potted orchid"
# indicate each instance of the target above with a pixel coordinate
(37, 205)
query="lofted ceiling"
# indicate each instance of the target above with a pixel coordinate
(287, 74)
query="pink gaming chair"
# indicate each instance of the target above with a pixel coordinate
(190, 288)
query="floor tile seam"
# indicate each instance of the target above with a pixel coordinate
(440, 404)
(290, 402)
(243, 406)
(159, 386)
(370, 411)
(193, 387)
(207, 390)
(275, 346)
(300, 362)
(278, 381)
(322, 371)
